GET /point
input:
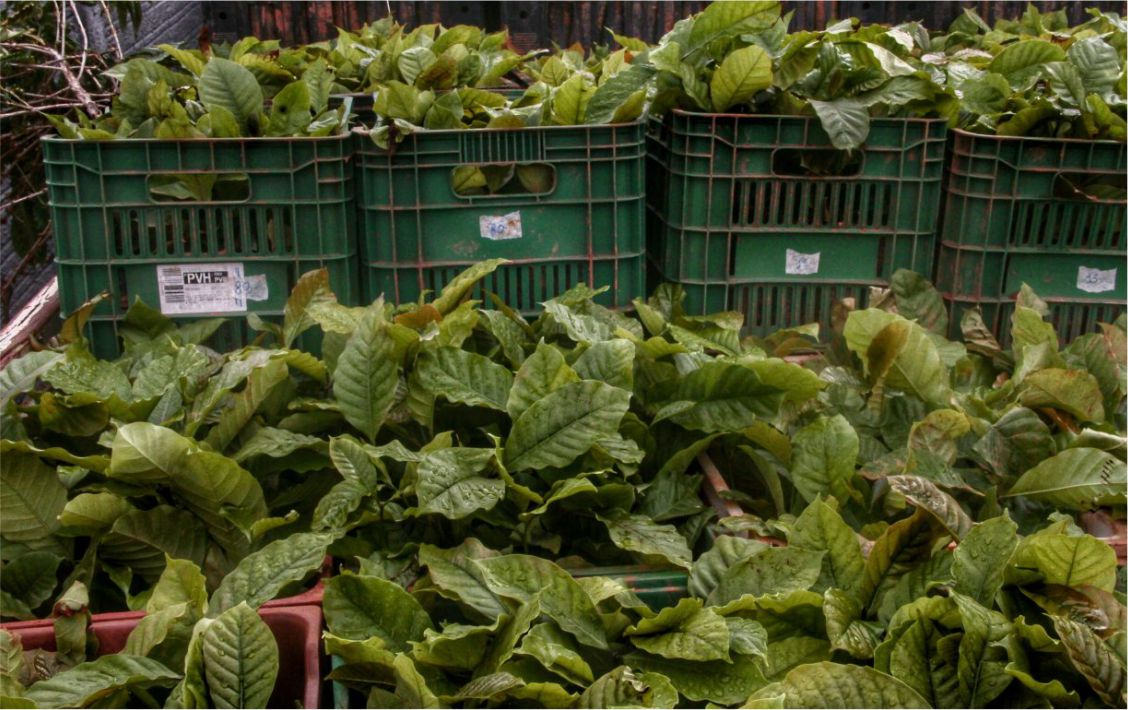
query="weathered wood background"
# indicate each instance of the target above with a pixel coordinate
(538, 24)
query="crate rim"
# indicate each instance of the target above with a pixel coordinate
(1043, 139)
(754, 116)
(223, 141)
(364, 131)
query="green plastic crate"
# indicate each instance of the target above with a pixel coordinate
(1013, 215)
(739, 220)
(417, 233)
(294, 213)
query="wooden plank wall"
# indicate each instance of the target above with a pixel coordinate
(538, 24)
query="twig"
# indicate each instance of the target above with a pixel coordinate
(113, 30)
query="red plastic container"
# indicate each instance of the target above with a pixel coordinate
(296, 626)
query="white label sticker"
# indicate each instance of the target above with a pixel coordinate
(1096, 280)
(204, 288)
(799, 264)
(506, 226)
(256, 288)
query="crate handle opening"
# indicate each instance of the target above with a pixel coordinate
(1089, 187)
(816, 162)
(200, 187)
(503, 179)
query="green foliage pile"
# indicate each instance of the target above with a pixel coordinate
(926, 490)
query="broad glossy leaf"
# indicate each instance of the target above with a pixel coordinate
(710, 567)
(31, 498)
(449, 483)
(820, 527)
(714, 681)
(721, 396)
(834, 685)
(1068, 559)
(1093, 658)
(360, 476)
(609, 100)
(1018, 58)
(542, 373)
(1071, 391)
(460, 286)
(901, 547)
(610, 361)
(775, 570)
(360, 607)
(21, 374)
(686, 631)
(261, 575)
(981, 664)
(464, 377)
(140, 539)
(1016, 442)
(458, 647)
(31, 577)
(982, 558)
(740, 76)
(653, 541)
(523, 577)
(364, 382)
(845, 120)
(226, 84)
(289, 116)
(562, 426)
(557, 651)
(1077, 479)
(845, 628)
(918, 369)
(312, 287)
(453, 571)
(622, 687)
(729, 19)
(927, 496)
(87, 682)
(240, 659)
(822, 458)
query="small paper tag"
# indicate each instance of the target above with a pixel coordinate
(799, 264)
(255, 288)
(506, 226)
(202, 288)
(1096, 280)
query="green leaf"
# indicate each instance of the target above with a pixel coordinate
(140, 539)
(240, 659)
(31, 577)
(289, 111)
(834, 685)
(570, 100)
(361, 479)
(730, 19)
(654, 542)
(87, 682)
(1068, 560)
(262, 574)
(918, 368)
(458, 647)
(312, 287)
(980, 665)
(449, 484)
(774, 570)
(229, 85)
(821, 528)
(822, 458)
(710, 567)
(721, 396)
(211, 485)
(1102, 666)
(21, 374)
(454, 572)
(927, 496)
(845, 120)
(364, 382)
(523, 577)
(1077, 479)
(610, 361)
(360, 607)
(901, 547)
(741, 75)
(982, 559)
(1021, 57)
(613, 94)
(686, 631)
(464, 377)
(542, 373)
(260, 385)
(31, 498)
(714, 681)
(622, 687)
(557, 652)
(1072, 391)
(1018, 441)
(562, 426)
(458, 288)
